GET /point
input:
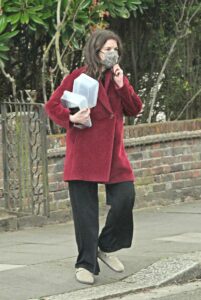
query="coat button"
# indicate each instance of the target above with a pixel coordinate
(111, 116)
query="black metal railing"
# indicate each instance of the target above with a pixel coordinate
(25, 165)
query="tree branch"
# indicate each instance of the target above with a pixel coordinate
(44, 67)
(182, 15)
(55, 39)
(195, 13)
(155, 88)
(180, 33)
(188, 103)
(63, 69)
(58, 34)
(11, 79)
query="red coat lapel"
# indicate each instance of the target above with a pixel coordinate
(103, 92)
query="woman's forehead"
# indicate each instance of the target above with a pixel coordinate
(110, 43)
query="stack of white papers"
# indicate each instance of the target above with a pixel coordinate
(84, 94)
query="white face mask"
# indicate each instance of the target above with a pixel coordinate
(110, 59)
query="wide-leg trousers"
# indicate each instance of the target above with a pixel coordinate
(118, 230)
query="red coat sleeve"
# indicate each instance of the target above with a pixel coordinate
(131, 102)
(54, 107)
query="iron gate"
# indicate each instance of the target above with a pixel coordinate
(25, 158)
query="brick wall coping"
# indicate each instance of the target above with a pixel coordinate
(144, 140)
(164, 137)
(132, 131)
(58, 152)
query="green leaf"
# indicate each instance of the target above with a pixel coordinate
(24, 18)
(123, 13)
(85, 4)
(78, 27)
(141, 10)
(134, 2)
(12, 9)
(2, 55)
(8, 35)
(37, 20)
(32, 27)
(3, 23)
(36, 8)
(118, 3)
(13, 19)
(4, 48)
(47, 15)
(84, 20)
(1, 63)
(75, 44)
(14, 26)
(132, 7)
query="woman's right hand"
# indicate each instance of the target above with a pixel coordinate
(81, 116)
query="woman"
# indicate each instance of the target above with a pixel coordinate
(97, 155)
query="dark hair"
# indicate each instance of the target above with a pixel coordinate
(91, 51)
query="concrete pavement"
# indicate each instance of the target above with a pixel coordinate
(188, 291)
(39, 262)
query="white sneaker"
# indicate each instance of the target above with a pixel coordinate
(111, 261)
(84, 276)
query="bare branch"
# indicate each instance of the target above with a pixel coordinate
(189, 9)
(58, 34)
(51, 80)
(181, 33)
(66, 11)
(182, 14)
(64, 51)
(11, 79)
(44, 67)
(60, 56)
(55, 39)
(159, 79)
(77, 10)
(188, 103)
(195, 13)
(58, 12)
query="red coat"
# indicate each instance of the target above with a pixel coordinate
(97, 153)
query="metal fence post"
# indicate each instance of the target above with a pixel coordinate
(5, 157)
(43, 130)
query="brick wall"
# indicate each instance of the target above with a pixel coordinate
(166, 158)
(167, 167)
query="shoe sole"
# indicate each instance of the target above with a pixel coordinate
(84, 282)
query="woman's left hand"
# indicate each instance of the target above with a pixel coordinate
(118, 75)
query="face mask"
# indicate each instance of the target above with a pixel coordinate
(110, 59)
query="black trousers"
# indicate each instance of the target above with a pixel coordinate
(118, 230)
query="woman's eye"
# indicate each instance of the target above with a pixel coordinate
(111, 49)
